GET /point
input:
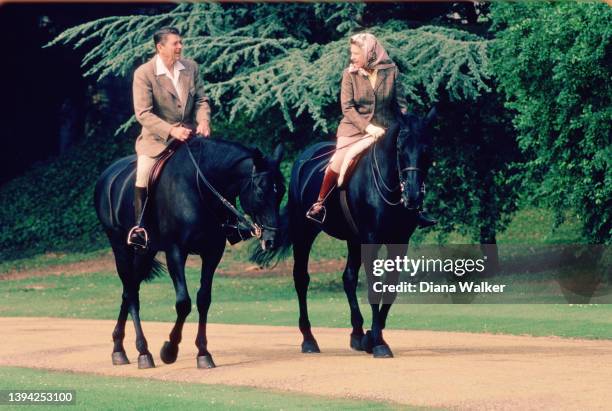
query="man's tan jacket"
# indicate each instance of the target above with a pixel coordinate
(361, 104)
(158, 107)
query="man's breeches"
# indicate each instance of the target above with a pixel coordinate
(143, 169)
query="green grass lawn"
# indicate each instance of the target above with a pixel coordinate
(92, 392)
(272, 301)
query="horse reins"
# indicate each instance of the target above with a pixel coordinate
(376, 170)
(256, 229)
(336, 149)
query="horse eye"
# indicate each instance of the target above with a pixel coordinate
(275, 188)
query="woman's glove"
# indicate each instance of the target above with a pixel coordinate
(375, 131)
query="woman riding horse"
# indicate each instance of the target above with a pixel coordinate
(370, 96)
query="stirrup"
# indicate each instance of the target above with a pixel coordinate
(138, 239)
(318, 216)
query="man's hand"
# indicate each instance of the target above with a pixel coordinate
(204, 129)
(180, 133)
(375, 131)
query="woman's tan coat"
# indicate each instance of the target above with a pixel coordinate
(361, 104)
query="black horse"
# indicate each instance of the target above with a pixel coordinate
(389, 176)
(185, 217)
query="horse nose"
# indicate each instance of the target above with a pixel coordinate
(412, 201)
(269, 244)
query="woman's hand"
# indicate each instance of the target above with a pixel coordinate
(375, 131)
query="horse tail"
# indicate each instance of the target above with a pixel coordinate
(265, 258)
(158, 269)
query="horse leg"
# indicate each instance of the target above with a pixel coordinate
(210, 260)
(123, 262)
(176, 259)
(349, 278)
(119, 356)
(301, 279)
(381, 307)
(393, 251)
(123, 258)
(373, 342)
(142, 265)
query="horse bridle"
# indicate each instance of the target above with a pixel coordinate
(251, 182)
(402, 183)
(256, 229)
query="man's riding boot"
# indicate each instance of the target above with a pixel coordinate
(138, 237)
(424, 221)
(317, 211)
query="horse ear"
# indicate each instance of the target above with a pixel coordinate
(259, 162)
(277, 156)
(431, 116)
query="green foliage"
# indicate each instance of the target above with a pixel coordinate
(553, 61)
(474, 185)
(273, 73)
(51, 207)
(263, 64)
(258, 58)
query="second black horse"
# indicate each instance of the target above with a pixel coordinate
(383, 196)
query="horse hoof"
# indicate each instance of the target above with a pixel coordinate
(145, 361)
(366, 342)
(205, 361)
(310, 346)
(356, 342)
(119, 358)
(169, 352)
(382, 351)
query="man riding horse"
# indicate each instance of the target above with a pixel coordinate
(170, 103)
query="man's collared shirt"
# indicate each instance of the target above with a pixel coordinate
(161, 69)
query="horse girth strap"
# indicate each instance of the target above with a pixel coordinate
(347, 212)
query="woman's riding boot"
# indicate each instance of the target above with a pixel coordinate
(424, 221)
(317, 211)
(138, 237)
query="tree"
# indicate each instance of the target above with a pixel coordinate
(553, 61)
(265, 62)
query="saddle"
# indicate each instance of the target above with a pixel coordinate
(159, 165)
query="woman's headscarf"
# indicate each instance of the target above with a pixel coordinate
(375, 55)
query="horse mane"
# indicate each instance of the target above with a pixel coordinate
(230, 145)
(232, 151)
